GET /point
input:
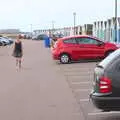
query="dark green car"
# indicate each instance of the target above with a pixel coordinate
(40, 37)
(106, 84)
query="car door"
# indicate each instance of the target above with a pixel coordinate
(70, 47)
(90, 48)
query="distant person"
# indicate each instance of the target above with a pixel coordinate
(54, 39)
(18, 52)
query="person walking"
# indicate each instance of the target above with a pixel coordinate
(54, 39)
(18, 51)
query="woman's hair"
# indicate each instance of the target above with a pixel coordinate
(19, 37)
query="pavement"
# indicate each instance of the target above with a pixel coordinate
(44, 89)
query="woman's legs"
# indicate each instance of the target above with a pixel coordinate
(19, 62)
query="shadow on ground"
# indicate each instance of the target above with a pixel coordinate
(81, 61)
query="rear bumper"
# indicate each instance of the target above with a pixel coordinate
(106, 102)
(55, 57)
(55, 54)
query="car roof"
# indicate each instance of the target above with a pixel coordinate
(108, 60)
(80, 36)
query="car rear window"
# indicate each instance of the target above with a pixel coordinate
(109, 59)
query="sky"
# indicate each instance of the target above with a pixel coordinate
(21, 14)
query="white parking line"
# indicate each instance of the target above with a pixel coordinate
(102, 113)
(77, 75)
(81, 82)
(82, 90)
(84, 100)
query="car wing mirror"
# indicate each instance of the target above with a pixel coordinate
(100, 44)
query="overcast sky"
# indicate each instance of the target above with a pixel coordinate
(41, 13)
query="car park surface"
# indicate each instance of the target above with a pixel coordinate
(47, 90)
(38, 91)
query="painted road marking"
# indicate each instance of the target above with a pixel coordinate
(82, 90)
(81, 82)
(84, 100)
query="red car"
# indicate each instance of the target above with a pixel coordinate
(81, 47)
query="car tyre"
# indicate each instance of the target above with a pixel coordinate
(65, 59)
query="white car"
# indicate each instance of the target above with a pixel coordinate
(5, 41)
(9, 39)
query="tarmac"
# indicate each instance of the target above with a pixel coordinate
(44, 89)
(37, 91)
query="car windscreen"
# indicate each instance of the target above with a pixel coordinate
(109, 59)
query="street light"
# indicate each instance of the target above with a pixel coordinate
(116, 21)
(53, 25)
(74, 15)
(31, 29)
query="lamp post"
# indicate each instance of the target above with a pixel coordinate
(31, 29)
(116, 21)
(74, 15)
(53, 25)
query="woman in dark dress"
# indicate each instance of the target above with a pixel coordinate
(18, 52)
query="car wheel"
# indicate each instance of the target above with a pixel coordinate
(64, 59)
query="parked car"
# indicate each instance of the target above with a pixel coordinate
(39, 37)
(106, 91)
(28, 36)
(1, 43)
(6, 41)
(34, 37)
(10, 41)
(81, 47)
(57, 36)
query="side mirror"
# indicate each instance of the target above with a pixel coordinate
(100, 44)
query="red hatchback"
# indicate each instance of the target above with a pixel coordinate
(81, 47)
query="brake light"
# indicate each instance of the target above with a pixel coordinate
(55, 45)
(105, 85)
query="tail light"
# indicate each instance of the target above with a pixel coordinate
(55, 45)
(105, 85)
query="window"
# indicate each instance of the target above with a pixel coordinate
(70, 41)
(87, 41)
